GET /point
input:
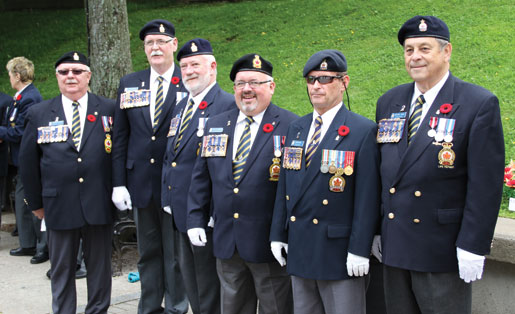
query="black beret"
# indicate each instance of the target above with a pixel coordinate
(326, 60)
(72, 57)
(423, 26)
(251, 62)
(197, 46)
(157, 27)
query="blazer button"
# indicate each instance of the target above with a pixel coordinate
(169, 187)
(418, 193)
(174, 164)
(81, 180)
(79, 159)
(27, 203)
(292, 218)
(392, 190)
(325, 202)
(391, 215)
(315, 221)
(153, 138)
(152, 160)
(287, 197)
(416, 220)
(236, 190)
(236, 215)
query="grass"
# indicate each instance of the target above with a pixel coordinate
(287, 32)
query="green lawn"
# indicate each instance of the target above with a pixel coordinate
(287, 32)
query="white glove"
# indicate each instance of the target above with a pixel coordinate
(197, 236)
(121, 198)
(377, 250)
(167, 210)
(470, 265)
(211, 222)
(277, 247)
(357, 265)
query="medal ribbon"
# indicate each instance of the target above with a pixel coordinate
(433, 122)
(106, 124)
(277, 143)
(340, 155)
(325, 157)
(349, 159)
(440, 129)
(449, 126)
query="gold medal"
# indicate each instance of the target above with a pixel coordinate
(108, 144)
(446, 156)
(348, 170)
(275, 169)
(337, 183)
(332, 168)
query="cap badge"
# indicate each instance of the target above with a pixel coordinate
(194, 47)
(256, 62)
(75, 57)
(423, 26)
(161, 28)
(323, 65)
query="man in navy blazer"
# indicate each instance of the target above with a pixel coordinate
(442, 172)
(144, 107)
(65, 165)
(327, 204)
(5, 101)
(206, 99)
(234, 182)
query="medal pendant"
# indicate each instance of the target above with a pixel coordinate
(324, 168)
(200, 132)
(439, 137)
(337, 184)
(431, 133)
(448, 138)
(275, 169)
(108, 144)
(348, 170)
(277, 153)
(332, 168)
(446, 156)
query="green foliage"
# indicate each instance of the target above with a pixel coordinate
(287, 32)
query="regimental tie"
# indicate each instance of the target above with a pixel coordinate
(185, 122)
(315, 140)
(242, 152)
(159, 104)
(414, 119)
(76, 124)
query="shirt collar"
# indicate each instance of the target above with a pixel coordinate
(197, 99)
(431, 94)
(257, 118)
(68, 102)
(328, 116)
(167, 75)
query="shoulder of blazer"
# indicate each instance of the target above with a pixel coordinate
(136, 76)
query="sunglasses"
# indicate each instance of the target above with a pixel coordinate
(75, 72)
(322, 79)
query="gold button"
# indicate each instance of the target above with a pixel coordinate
(236, 190)
(315, 221)
(81, 180)
(391, 215)
(79, 159)
(392, 190)
(169, 187)
(152, 160)
(27, 203)
(174, 164)
(292, 218)
(287, 197)
(236, 215)
(416, 220)
(153, 138)
(418, 193)
(325, 202)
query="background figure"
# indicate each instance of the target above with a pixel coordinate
(5, 101)
(21, 74)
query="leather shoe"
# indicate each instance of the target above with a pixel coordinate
(14, 233)
(23, 251)
(39, 258)
(48, 274)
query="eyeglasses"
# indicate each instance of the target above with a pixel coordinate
(74, 71)
(160, 42)
(252, 84)
(322, 79)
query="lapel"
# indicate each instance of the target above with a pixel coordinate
(404, 104)
(57, 111)
(232, 117)
(421, 141)
(171, 96)
(89, 125)
(144, 83)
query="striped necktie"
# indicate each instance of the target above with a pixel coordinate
(159, 103)
(242, 152)
(315, 140)
(185, 123)
(76, 124)
(414, 119)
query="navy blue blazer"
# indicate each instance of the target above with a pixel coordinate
(138, 152)
(321, 226)
(13, 120)
(5, 101)
(428, 210)
(242, 213)
(178, 166)
(74, 188)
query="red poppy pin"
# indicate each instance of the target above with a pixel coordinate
(343, 130)
(202, 105)
(175, 80)
(445, 108)
(267, 128)
(18, 98)
(91, 118)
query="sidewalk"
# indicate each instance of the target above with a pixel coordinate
(25, 288)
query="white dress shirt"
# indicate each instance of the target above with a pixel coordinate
(240, 126)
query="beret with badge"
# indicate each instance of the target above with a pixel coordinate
(72, 57)
(326, 60)
(197, 46)
(251, 62)
(157, 27)
(423, 26)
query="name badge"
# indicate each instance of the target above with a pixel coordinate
(214, 145)
(398, 115)
(216, 130)
(135, 98)
(297, 143)
(56, 123)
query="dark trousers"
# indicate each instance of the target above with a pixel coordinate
(97, 247)
(413, 292)
(375, 289)
(158, 267)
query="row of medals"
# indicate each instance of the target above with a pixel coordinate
(446, 155)
(336, 182)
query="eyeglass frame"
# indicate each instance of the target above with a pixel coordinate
(252, 84)
(317, 78)
(159, 42)
(74, 71)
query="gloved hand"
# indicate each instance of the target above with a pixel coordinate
(277, 247)
(357, 265)
(121, 198)
(470, 265)
(197, 236)
(377, 250)
(167, 210)
(211, 222)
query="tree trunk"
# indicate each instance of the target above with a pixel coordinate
(108, 44)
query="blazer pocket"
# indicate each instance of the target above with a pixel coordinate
(49, 192)
(338, 231)
(129, 164)
(450, 215)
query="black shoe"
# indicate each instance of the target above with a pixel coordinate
(48, 274)
(14, 233)
(39, 258)
(23, 251)
(81, 273)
